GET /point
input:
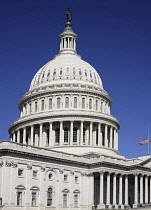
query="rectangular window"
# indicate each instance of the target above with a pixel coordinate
(67, 102)
(96, 105)
(20, 172)
(33, 199)
(90, 103)
(30, 110)
(19, 198)
(64, 200)
(75, 200)
(65, 178)
(35, 174)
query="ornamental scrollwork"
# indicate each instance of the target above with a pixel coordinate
(42, 168)
(8, 164)
(1, 163)
(29, 166)
(13, 164)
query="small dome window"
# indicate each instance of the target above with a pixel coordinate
(50, 176)
(67, 71)
(90, 75)
(48, 74)
(54, 73)
(73, 71)
(85, 73)
(80, 73)
(43, 76)
(60, 72)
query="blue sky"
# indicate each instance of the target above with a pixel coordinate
(114, 36)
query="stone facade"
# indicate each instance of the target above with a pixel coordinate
(63, 150)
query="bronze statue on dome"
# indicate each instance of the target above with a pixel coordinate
(69, 15)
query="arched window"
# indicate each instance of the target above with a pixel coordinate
(50, 103)
(57, 135)
(30, 108)
(20, 189)
(42, 105)
(75, 134)
(84, 135)
(49, 197)
(66, 134)
(35, 106)
(65, 197)
(96, 105)
(58, 103)
(83, 103)
(75, 102)
(67, 102)
(90, 103)
(76, 194)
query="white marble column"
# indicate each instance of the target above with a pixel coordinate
(111, 135)
(146, 189)
(24, 135)
(18, 136)
(120, 189)
(108, 200)
(71, 133)
(41, 135)
(141, 189)
(101, 204)
(61, 133)
(114, 138)
(13, 136)
(32, 135)
(106, 140)
(91, 138)
(81, 134)
(114, 190)
(50, 135)
(135, 205)
(126, 190)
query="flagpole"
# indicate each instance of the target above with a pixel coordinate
(148, 139)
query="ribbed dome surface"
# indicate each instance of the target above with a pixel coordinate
(66, 67)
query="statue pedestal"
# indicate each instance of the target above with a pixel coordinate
(101, 206)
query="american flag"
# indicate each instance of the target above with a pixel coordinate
(145, 141)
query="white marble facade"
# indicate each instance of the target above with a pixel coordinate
(63, 150)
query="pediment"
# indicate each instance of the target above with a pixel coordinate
(146, 162)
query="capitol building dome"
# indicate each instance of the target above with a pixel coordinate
(66, 108)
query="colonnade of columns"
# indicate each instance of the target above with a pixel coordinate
(142, 190)
(77, 132)
(119, 198)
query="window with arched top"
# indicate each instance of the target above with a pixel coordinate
(42, 105)
(75, 102)
(75, 134)
(67, 102)
(76, 194)
(50, 103)
(96, 105)
(65, 197)
(66, 134)
(57, 135)
(35, 106)
(49, 196)
(83, 103)
(58, 103)
(90, 103)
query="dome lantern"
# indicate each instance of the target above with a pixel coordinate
(68, 37)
